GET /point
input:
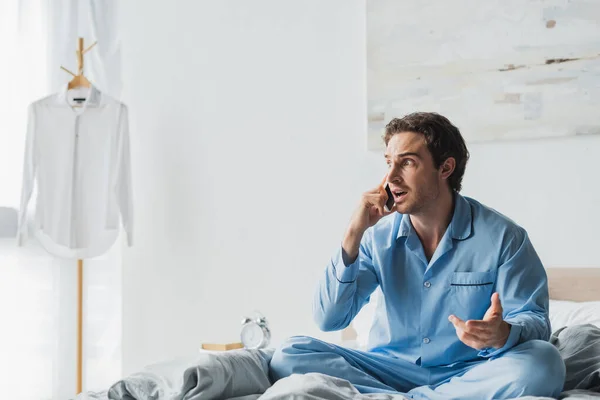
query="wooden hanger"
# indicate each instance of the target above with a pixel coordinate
(79, 80)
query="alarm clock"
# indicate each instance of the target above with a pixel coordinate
(255, 332)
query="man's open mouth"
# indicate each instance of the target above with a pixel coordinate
(399, 195)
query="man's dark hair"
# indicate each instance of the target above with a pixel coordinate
(443, 140)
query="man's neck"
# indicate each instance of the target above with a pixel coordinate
(431, 223)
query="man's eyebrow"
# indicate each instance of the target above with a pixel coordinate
(406, 154)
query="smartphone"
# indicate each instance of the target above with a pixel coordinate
(390, 198)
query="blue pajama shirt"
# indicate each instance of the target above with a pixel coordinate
(413, 347)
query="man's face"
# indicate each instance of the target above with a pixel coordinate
(413, 177)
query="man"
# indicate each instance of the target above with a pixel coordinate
(464, 310)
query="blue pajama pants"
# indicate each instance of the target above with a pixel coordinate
(533, 368)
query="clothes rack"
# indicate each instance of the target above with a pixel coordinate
(79, 80)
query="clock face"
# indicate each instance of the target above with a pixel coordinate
(252, 335)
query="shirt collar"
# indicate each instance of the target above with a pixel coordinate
(93, 96)
(460, 225)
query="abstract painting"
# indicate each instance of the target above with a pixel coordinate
(498, 69)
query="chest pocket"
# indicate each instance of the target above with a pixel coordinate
(471, 292)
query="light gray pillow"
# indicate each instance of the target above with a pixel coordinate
(579, 346)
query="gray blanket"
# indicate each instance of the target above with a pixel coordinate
(243, 375)
(579, 346)
(205, 376)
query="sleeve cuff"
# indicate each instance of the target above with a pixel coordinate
(344, 273)
(513, 340)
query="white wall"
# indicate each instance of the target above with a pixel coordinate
(248, 137)
(249, 150)
(550, 187)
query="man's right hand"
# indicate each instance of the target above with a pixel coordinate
(370, 210)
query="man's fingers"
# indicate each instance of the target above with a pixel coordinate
(495, 310)
(477, 327)
(457, 322)
(496, 305)
(472, 327)
(380, 189)
(377, 190)
(465, 336)
(376, 200)
(470, 340)
(373, 199)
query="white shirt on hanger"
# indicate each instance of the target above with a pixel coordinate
(79, 158)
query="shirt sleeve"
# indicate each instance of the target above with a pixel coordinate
(522, 284)
(123, 177)
(29, 173)
(345, 288)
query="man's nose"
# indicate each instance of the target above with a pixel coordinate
(394, 176)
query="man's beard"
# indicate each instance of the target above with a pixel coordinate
(419, 201)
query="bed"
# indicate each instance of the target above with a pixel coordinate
(243, 374)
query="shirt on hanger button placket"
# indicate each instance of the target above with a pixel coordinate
(74, 198)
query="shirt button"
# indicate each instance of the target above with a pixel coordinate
(427, 284)
(426, 340)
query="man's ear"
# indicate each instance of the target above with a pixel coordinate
(447, 168)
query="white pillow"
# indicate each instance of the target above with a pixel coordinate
(568, 313)
(562, 313)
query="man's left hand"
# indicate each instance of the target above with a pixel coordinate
(492, 331)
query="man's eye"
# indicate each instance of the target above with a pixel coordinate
(389, 165)
(407, 162)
